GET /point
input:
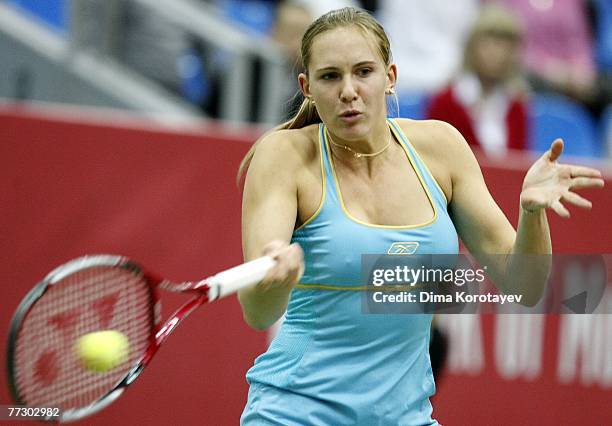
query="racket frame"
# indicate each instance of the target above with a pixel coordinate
(204, 291)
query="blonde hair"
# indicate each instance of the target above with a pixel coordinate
(307, 114)
(496, 20)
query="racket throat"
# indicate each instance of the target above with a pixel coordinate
(176, 318)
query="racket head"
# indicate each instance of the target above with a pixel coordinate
(88, 294)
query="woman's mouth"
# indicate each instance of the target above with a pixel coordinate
(350, 116)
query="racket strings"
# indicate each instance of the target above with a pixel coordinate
(47, 369)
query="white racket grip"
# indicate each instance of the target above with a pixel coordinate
(233, 279)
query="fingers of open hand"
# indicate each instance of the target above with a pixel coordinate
(555, 151)
(577, 200)
(560, 209)
(584, 177)
(586, 182)
(581, 171)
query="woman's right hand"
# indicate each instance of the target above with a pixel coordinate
(289, 266)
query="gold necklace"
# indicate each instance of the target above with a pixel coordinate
(358, 154)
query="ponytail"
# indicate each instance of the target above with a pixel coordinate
(306, 115)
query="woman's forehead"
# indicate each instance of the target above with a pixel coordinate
(342, 45)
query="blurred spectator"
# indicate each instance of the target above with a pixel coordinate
(558, 49)
(427, 39)
(486, 101)
(292, 18)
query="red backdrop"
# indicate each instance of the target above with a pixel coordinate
(168, 199)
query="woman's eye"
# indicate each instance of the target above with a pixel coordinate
(328, 76)
(364, 71)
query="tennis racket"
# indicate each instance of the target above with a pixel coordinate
(94, 293)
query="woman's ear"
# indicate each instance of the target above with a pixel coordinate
(304, 85)
(391, 79)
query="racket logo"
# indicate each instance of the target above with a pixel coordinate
(46, 368)
(403, 248)
(47, 365)
(105, 309)
(65, 323)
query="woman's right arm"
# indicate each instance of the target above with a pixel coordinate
(269, 211)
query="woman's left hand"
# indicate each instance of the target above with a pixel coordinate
(547, 183)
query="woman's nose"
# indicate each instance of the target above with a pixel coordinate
(348, 92)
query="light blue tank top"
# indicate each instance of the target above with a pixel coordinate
(331, 364)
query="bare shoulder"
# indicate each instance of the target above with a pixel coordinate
(441, 147)
(433, 137)
(288, 148)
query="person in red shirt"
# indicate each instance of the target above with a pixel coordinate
(487, 100)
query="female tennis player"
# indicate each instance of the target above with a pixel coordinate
(340, 180)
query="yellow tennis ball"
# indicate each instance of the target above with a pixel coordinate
(101, 351)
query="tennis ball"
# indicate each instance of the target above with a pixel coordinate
(101, 351)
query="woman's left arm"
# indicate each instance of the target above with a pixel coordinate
(514, 257)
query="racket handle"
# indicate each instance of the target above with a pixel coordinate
(238, 277)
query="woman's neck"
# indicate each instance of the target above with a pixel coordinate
(366, 162)
(370, 146)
